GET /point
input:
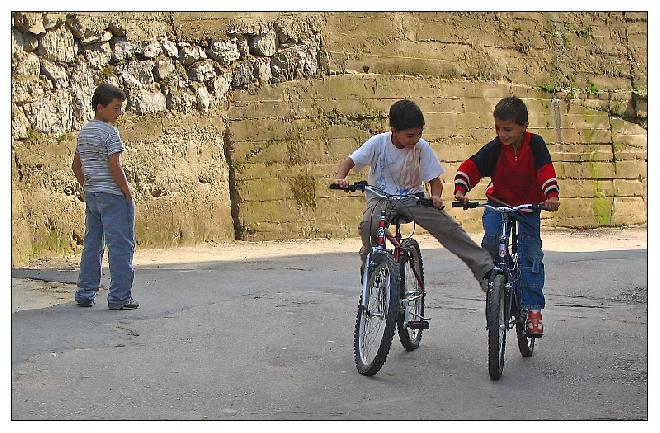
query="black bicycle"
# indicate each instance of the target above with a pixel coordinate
(503, 301)
(392, 289)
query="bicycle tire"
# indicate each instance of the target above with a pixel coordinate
(497, 326)
(410, 338)
(525, 343)
(383, 305)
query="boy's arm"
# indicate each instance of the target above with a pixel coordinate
(545, 173)
(436, 192)
(114, 161)
(76, 166)
(344, 167)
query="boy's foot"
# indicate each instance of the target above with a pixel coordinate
(130, 305)
(534, 322)
(85, 303)
(484, 281)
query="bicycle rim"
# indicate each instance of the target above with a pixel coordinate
(375, 321)
(375, 324)
(497, 327)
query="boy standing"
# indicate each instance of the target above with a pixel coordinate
(109, 208)
(521, 171)
(401, 161)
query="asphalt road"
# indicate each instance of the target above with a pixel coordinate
(272, 339)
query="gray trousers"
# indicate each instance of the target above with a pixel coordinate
(437, 222)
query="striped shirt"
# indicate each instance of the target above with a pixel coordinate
(96, 141)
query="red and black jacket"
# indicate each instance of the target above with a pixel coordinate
(527, 176)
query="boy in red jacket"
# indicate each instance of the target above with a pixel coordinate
(521, 171)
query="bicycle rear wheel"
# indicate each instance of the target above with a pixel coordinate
(411, 289)
(374, 326)
(497, 326)
(525, 343)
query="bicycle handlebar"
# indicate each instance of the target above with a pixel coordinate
(475, 204)
(357, 186)
(363, 185)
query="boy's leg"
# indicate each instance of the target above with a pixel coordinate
(89, 277)
(451, 235)
(369, 225)
(118, 223)
(530, 260)
(492, 222)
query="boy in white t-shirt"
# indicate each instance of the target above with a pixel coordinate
(400, 163)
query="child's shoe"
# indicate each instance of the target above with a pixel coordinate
(534, 323)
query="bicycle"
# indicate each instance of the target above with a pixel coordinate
(503, 301)
(392, 289)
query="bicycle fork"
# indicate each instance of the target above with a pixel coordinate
(366, 273)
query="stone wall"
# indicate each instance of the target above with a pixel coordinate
(287, 143)
(235, 122)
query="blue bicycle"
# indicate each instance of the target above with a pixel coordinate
(503, 301)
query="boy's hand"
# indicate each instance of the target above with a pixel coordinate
(460, 196)
(551, 204)
(342, 182)
(437, 202)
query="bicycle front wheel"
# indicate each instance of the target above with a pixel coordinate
(376, 316)
(496, 322)
(412, 281)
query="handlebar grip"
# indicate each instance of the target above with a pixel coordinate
(470, 204)
(335, 186)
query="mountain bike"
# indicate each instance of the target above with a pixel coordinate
(503, 300)
(392, 287)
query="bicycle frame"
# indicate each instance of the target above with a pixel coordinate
(398, 253)
(507, 262)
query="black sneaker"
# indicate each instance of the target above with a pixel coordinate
(85, 303)
(484, 281)
(130, 305)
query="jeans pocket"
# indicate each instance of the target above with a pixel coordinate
(537, 262)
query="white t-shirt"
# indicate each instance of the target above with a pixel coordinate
(397, 171)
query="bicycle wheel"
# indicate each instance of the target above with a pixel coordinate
(497, 325)
(525, 343)
(410, 289)
(374, 326)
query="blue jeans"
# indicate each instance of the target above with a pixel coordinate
(111, 218)
(530, 254)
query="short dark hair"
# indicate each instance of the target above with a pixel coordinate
(512, 109)
(105, 93)
(405, 114)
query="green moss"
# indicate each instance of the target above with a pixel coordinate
(104, 75)
(52, 243)
(588, 135)
(583, 32)
(548, 87)
(32, 138)
(602, 207)
(296, 149)
(303, 187)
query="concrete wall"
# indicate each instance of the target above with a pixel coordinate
(237, 133)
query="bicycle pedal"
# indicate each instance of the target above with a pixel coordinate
(418, 324)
